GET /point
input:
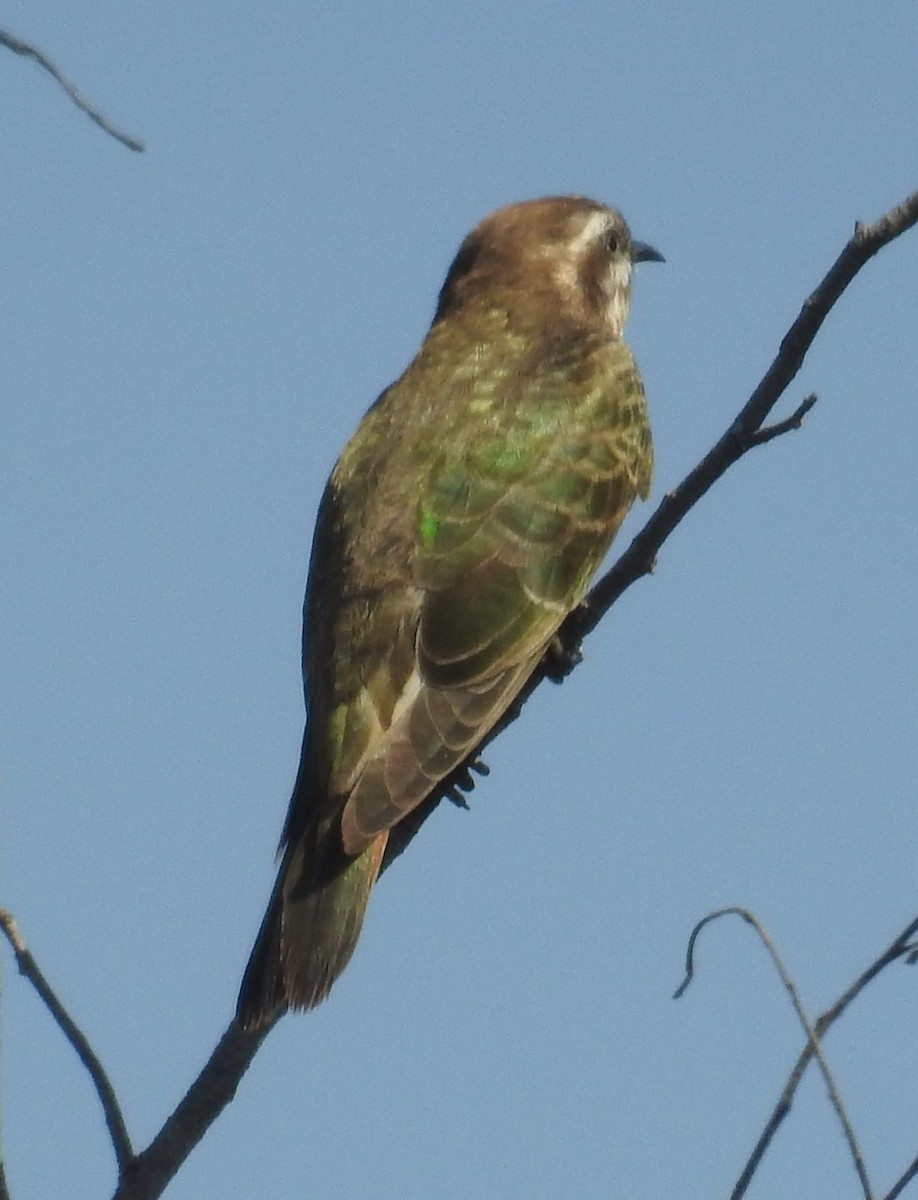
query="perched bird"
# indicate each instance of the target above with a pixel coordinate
(459, 527)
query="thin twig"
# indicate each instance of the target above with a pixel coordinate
(897, 949)
(794, 421)
(27, 51)
(77, 1039)
(813, 1041)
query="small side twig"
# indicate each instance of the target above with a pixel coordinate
(813, 1037)
(77, 1039)
(27, 51)
(794, 421)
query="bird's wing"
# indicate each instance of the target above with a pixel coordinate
(509, 529)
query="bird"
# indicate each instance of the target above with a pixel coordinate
(460, 526)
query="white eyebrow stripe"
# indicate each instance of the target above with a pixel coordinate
(596, 222)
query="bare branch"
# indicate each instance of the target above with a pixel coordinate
(899, 948)
(146, 1175)
(27, 51)
(813, 1043)
(150, 1173)
(77, 1039)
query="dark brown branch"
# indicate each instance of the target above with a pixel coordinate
(77, 1039)
(899, 948)
(150, 1172)
(27, 51)
(903, 1181)
(812, 1036)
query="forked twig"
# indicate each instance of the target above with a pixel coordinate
(813, 1037)
(898, 948)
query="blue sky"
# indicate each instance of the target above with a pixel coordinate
(188, 338)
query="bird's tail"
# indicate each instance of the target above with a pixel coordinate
(310, 929)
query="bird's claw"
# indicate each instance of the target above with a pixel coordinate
(463, 782)
(560, 658)
(455, 796)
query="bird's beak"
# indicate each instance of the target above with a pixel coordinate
(641, 252)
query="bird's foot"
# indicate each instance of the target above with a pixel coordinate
(560, 658)
(463, 782)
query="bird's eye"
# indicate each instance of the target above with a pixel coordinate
(613, 241)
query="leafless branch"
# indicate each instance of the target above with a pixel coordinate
(27, 51)
(900, 947)
(148, 1173)
(151, 1171)
(813, 1039)
(77, 1039)
(897, 949)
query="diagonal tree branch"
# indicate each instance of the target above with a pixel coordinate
(27, 51)
(77, 1039)
(152, 1170)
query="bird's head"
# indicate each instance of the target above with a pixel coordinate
(573, 254)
